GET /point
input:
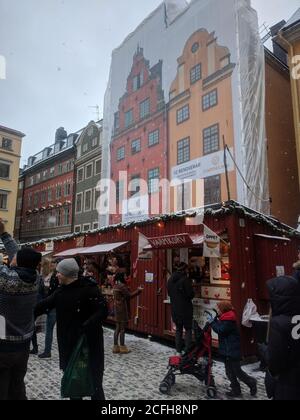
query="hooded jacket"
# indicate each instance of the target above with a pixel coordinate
(229, 336)
(283, 354)
(18, 296)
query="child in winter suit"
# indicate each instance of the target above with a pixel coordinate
(225, 325)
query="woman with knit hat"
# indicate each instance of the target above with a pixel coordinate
(225, 325)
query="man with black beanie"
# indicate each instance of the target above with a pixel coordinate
(18, 296)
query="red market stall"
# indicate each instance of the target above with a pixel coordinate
(254, 249)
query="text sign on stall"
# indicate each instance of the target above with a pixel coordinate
(172, 241)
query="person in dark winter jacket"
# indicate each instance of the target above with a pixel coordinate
(181, 293)
(296, 267)
(225, 325)
(283, 351)
(80, 309)
(18, 296)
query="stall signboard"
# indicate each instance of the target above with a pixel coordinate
(149, 277)
(212, 241)
(80, 242)
(172, 241)
(280, 271)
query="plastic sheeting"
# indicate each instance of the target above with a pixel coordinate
(163, 36)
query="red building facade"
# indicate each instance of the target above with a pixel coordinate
(139, 143)
(48, 181)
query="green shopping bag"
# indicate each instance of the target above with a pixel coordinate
(77, 380)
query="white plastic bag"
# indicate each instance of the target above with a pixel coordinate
(250, 311)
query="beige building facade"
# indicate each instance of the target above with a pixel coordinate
(10, 153)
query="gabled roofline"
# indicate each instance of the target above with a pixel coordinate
(12, 131)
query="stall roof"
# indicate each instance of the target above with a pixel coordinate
(277, 238)
(102, 248)
(69, 253)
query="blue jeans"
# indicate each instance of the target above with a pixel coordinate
(51, 321)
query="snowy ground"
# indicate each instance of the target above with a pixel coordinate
(135, 376)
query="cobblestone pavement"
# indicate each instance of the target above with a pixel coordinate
(135, 376)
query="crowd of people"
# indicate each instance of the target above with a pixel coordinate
(70, 297)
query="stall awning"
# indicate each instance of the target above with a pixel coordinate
(69, 253)
(184, 240)
(102, 248)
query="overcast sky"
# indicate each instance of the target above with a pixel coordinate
(58, 58)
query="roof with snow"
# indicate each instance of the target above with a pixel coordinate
(293, 20)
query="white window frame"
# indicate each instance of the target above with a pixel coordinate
(80, 169)
(76, 227)
(95, 142)
(95, 223)
(6, 193)
(85, 147)
(84, 225)
(87, 166)
(78, 212)
(4, 162)
(95, 165)
(85, 210)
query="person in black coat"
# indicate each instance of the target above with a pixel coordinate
(181, 293)
(283, 351)
(80, 308)
(225, 325)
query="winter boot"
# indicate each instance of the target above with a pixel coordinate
(45, 356)
(124, 350)
(253, 390)
(116, 349)
(34, 351)
(234, 393)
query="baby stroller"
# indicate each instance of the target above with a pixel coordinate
(196, 362)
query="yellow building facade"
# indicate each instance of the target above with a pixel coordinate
(200, 121)
(289, 39)
(10, 153)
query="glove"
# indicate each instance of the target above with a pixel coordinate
(210, 318)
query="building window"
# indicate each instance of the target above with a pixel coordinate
(210, 100)
(196, 74)
(183, 151)
(38, 178)
(21, 185)
(7, 144)
(212, 190)
(183, 114)
(135, 185)
(137, 82)
(195, 47)
(129, 118)
(153, 138)
(67, 189)
(80, 175)
(119, 191)
(49, 194)
(85, 147)
(135, 146)
(86, 227)
(96, 197)
(77, 229)
(117, 121)
(43, 197)
(79, 203)
(36, 200)
(58, 191)
(3, 200)
(95, 225)
(98, 167)
(52, 172)
(95, 142)
(121, 153)
(88, 200)
(4, 170)
(145, 108)
(60, 169)
(89, 171)
(153, 180)
(211, 141)
(67, 216)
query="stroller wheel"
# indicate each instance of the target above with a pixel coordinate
(164, 388)
(211, 392)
